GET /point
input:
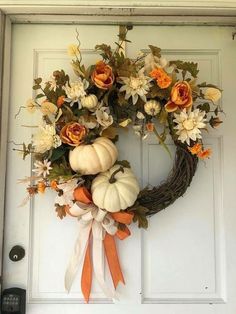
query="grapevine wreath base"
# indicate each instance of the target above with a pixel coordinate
(179, 179)
(75, 155)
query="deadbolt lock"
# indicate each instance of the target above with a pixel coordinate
(17, 253)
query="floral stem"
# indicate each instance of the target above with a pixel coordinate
(161, 142)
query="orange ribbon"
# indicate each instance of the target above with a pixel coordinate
(111, 255)
(113, 260)
(87, 274)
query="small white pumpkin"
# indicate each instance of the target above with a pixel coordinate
(90, 102)
(152, 107)
(93, 158)
(115, 189)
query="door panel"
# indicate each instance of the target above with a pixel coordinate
(179, 264)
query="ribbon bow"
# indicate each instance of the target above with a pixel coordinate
(97, 229)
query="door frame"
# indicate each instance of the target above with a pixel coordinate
(117, 12)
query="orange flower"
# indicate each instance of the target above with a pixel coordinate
(205, 153)
(150, 126)
(180, 97)
(102, 76)
(41, 187)
(73, 133)
(163, 80)
(60, 101)
(53, 184)
(195, 149)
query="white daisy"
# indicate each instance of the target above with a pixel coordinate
(42, 168)
(189, 125)
(136, 86)
(76, 91)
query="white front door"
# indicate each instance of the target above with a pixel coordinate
(185, 262)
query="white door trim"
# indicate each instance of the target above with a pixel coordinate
(82, 12)
(5, 52)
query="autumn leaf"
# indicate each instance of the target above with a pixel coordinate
(110, 132)
(61, 212)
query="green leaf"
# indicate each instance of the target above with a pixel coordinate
(204, 107)
(36, 87)
(155, 51)
(190, 67)
(40, 96)
(60, 171)
(104, 50)
(140, 215)
(204, 84)
(57, 153)
(38, 81)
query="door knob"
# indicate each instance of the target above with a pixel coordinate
(17, 253)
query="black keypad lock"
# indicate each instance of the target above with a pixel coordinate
(13, 301)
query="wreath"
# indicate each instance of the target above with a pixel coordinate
(74, 149)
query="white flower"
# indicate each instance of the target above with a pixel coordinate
(152, 62)
(53, 84)
(73, 50)
(75, 91)
(103, 117)
(42, 168)
(51, 110)
(48, 108)
(212, 94)
(90, 102)
(152, 107)
(46, 139)
(140, 115)
(136, 86)
(89, 121)
(68, 189)
(140, 131)
(188, 125)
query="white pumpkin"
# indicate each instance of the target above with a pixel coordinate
(152, 107)
(93, 158)
(90, 102)
(115, 189)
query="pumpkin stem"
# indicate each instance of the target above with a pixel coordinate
(112, 178)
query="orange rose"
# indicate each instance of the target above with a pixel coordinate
(73, 133)
(163, 80)
(180, 97)
(102, 76)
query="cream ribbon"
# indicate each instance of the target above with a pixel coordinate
(95, 220)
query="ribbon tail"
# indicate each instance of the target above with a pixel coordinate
(86, 277)
(113, 260)
(79, 251)
(98, 255)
